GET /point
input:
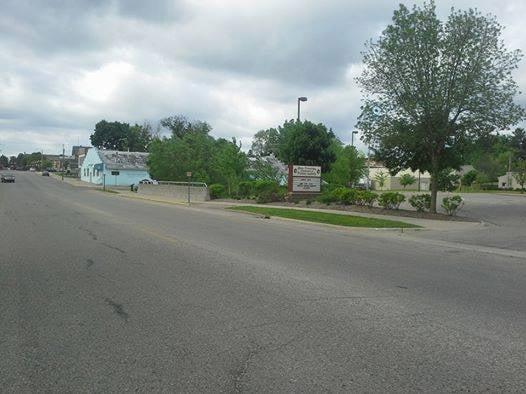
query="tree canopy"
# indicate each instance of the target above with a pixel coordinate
(120, 136)
(431, 86)
(306, 143)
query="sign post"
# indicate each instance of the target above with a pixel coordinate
(189, 175)
(304, 180)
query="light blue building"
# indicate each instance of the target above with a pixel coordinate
(114, 167)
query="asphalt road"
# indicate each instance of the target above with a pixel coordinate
(102, 293)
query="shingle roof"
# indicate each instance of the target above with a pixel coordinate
(117, 160)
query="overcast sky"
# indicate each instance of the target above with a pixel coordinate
(237, 64)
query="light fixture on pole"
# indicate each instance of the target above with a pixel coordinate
(300, 99)
(352, 137)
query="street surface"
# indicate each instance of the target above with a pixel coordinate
(104, 293)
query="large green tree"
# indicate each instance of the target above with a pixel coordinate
(306, 143)
(120, 136)
(348, 167)
(230, 164)
(4, 161)
(110, 135)
(179, 126)
(430, 86)
(265, 143)
(170, 158)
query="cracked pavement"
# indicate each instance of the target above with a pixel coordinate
(102, 293)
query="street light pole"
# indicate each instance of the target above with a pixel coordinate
(63, 152)
(300, 99)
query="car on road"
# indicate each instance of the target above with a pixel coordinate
(148, 182)
(45, 173)
(7, 178)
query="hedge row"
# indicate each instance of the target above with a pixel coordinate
(262, 191)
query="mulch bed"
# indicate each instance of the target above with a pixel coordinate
(354, 208)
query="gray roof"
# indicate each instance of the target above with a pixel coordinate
(117, 160)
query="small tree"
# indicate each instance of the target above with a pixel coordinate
(407, 180)
(469, 177)
(520, 174)
(381, 178)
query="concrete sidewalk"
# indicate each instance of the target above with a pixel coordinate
(427, 224)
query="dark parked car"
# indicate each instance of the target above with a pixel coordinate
(7, 178)
(45, 173)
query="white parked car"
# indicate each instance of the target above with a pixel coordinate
(149, 182)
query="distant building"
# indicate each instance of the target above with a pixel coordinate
(78, 150)
(59, 161)
(508, 181)
(119, 168)
(422, 179)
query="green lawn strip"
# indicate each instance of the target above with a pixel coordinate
(326, 217)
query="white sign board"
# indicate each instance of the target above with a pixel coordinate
(306, 184)
(306, 171)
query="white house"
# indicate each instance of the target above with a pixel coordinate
(115, 168)
(508, 181)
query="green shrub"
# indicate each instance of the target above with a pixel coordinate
(246, 189)
(327, 197)
(452, 204)
(365, 198)
(391, 200)
(216, 190)
(421, 202)
(268, 191)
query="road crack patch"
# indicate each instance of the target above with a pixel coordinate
(118, 309)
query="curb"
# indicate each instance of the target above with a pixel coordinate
(333, 226)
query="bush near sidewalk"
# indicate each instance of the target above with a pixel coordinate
(391, 200)
(421, 202)
(452, 204)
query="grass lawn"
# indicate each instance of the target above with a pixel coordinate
(325, 217)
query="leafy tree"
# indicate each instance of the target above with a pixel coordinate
(407, 180)
(381, 178)
(306, 143)
(518, 143)
(171, 158)
(348, 167)
(4, 161)
(520, 174)
(230, 164)
(139, 137)
(179, 125)
(265, 142)
(469, 177)
(110, 135)
(447, 180)
(431, 86)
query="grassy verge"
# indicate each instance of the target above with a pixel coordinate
(325, 217)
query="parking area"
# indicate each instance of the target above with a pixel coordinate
(504, 217)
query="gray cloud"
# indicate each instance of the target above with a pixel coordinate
(240, 65)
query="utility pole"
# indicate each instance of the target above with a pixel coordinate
(41, 161)
(189, 175)
(63, 151)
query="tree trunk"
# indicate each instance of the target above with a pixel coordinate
(434, 184)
